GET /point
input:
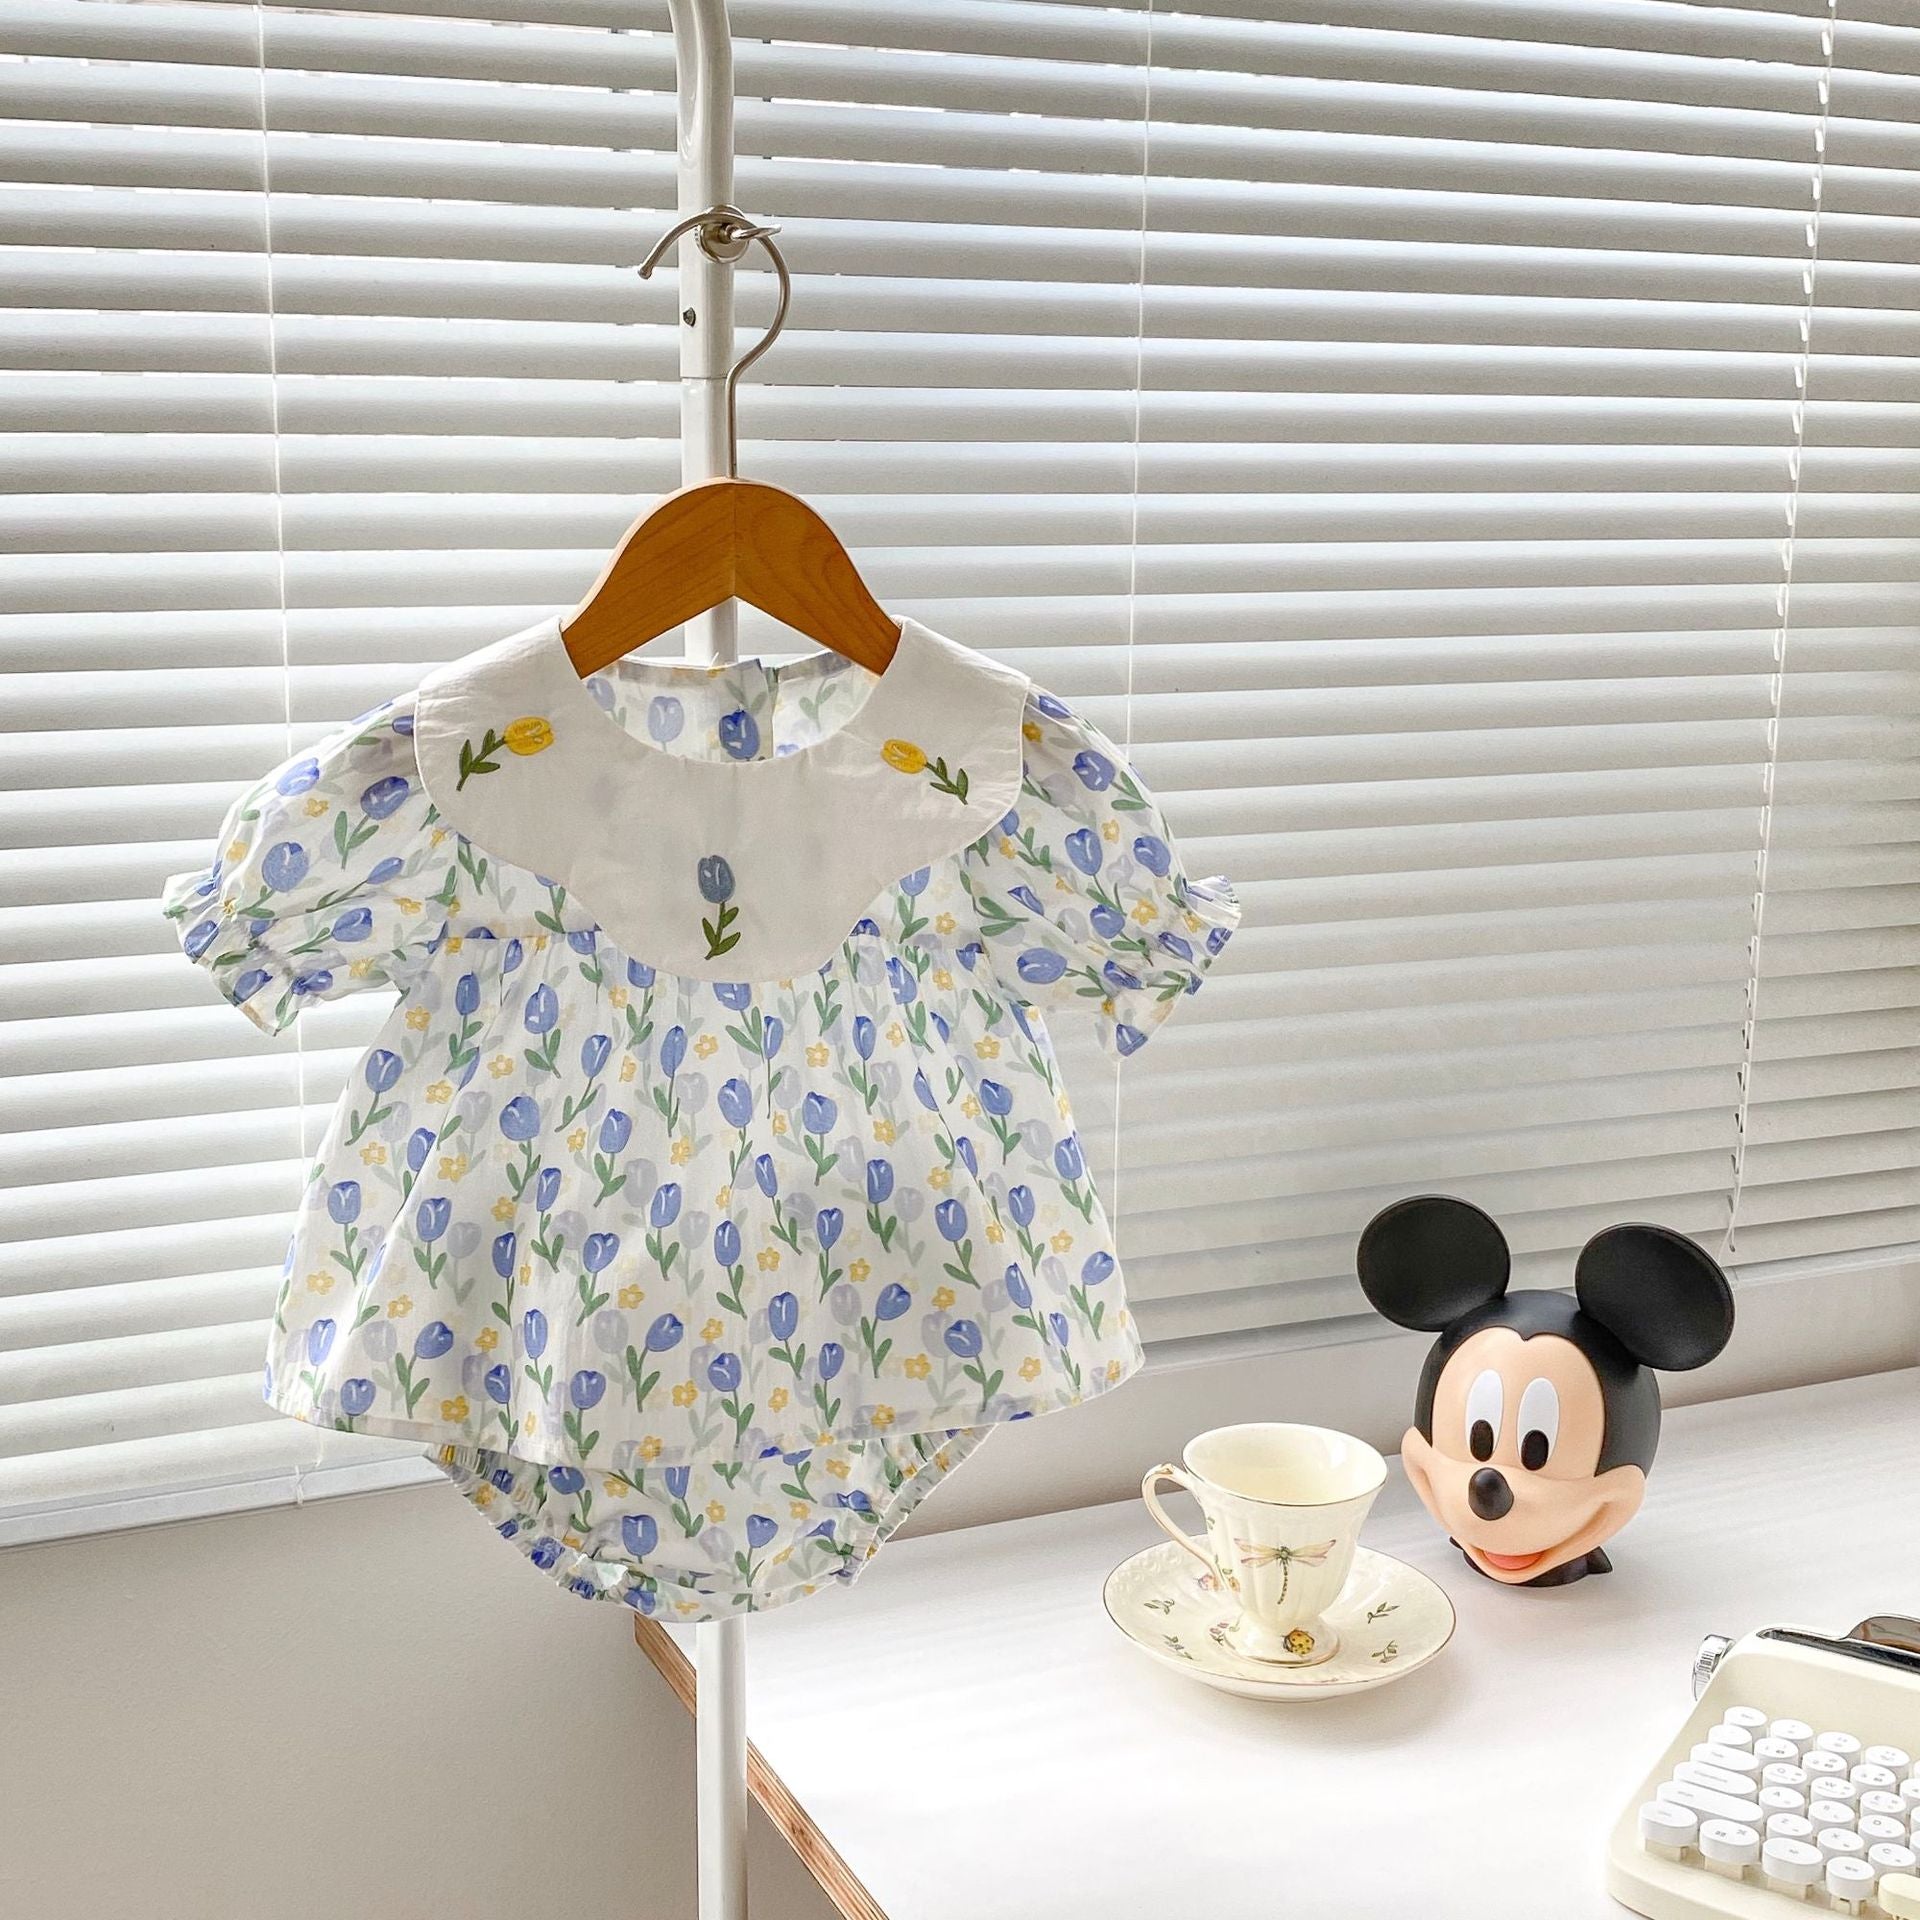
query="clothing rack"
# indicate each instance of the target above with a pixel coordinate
(709, 248)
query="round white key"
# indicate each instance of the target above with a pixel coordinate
(1795, 1730)
(1818, 1760)
(1896, 1759)
(1840, 1843)
(1789, 1826)
(1850, 1880)
(1776, 1773)
(1890, 1857)
(1768, 1748)
(1899, 1893)
(1697, 1773)
(1844, 1744)
(1876, 1827)
(1733, 1759)
(1662, 1824)
(1889, 1804)
(1910, 1790)
(1726, 1734)
(1749, 1717)
(1827, 1815)
(1834, 1788)
(1723, 1806)
(1792, 1863)
(1729, 1843)
(1788, 1800)
(1871, 1779)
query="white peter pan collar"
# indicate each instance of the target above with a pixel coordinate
(720, 869)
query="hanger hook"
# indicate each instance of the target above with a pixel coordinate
(724, 235)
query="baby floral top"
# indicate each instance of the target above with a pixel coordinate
(711, 1187)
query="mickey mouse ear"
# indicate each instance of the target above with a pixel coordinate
(1659, 1294)
(1428, 1261)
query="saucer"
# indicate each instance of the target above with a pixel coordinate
(1391, 1619)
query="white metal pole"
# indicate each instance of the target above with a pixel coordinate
(703, 62)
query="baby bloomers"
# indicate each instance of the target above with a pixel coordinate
(710, 1190)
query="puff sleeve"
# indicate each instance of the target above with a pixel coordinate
(1080, 895)
(332, 875)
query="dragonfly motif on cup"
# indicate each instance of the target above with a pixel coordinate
(1254, 1553)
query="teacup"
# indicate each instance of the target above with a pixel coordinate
(1284, 1505)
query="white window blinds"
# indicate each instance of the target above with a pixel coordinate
(1467, 449)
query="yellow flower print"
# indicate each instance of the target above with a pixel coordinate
(631, 1296)
(816, 1055)
(716, 1512)
(918, 1366)
(987, 1048)
(724, 1197)
(685, 1394)
(706, 1046)
(316, 806)
(1146, 913)
(539, 943)
(651, 1447)
(996, 1232)
(939, 1177)
(576, 1139)
(236, 850)
(629, 1066)
(319, 1283)
(896, 1034)
(360, 970)
(399, 1307)
(839, 1466)
(406, 905)
(440, 1093)
(798, 1509)
(1030, 729)
(942, 1299)
(374, 1154)
(530, 1425)
(779, 1123)
(419, 1019)
(883, 1416)
(777, 1400)
(453, 1166)
(768, 1258)
(1113, 1371)
(883, 1132)
(1030, 1368)
(482, 1497)
(1061, 1241)
(857, 1270)
(943, 979)
(504, 1208)
(452, 944)
(712, 1331)
(970, 1107)
(904, 757)
(500, 1066)
(616, 997)
(681, 1151)
(487, 1339)
(454, 1410)
(944, 923)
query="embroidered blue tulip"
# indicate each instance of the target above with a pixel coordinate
(783, 1316)
(1083, 849)
(499, 1384)
(430, 1221)
(520, 1118)
(299, 777)
(902, 979)
(716, 880)
(319, 1341)
(434, 1339)
(995, 1098)
(665, 1208)
(818, 1113)
(343, 1202)
(505, 1250)
(665, 717)
(1095, 1268)
(915, 883)
(593, 1053)
(420, 1143)
(384, 798)
(639, 1534)
(566, 1480)
(1107, 921)
(723, 1372)
(586, 1387)
(382, 1070)
(829, 1360)
(598, 1251)
(639, 974)
(740, 734)
(1095, 770)
(673, 1049)
(735, 995)
(1020, 1204)
(616, 1129)
(951, 1218)
(1128, 1039)
(1017, 1289)
(879, 1182)
(1040, 966)
(353, 926)
(542, 1010)
(826, 1226)
(664, 1335)
(533, 1332)
(766, 1176)
(894, 1300)
(284, 866)
(356, 1396)
(1068, 1161)
(736, 1102)
(864, 1035)
(964, 1339)
(726, 1243)
(761, 1532)
(546, 1190)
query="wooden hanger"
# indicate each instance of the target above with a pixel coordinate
(729, 539)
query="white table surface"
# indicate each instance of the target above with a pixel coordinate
(975, 1738)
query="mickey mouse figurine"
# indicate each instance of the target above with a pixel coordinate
(1537, 1414)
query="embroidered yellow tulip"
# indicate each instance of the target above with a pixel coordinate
(529, 734)
(904, 757)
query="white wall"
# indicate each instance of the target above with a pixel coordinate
(369, 1709)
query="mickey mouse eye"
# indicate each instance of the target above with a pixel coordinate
(1484, 1399)
(1539, 1424)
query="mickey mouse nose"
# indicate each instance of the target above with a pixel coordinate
(1489, 1495)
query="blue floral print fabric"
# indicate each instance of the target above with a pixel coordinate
(697, 1285)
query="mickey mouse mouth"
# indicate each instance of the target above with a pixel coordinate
(1510, 1562)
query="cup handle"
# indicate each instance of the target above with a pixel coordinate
(1149, 1492)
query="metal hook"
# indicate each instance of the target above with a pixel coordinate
(725, 233)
